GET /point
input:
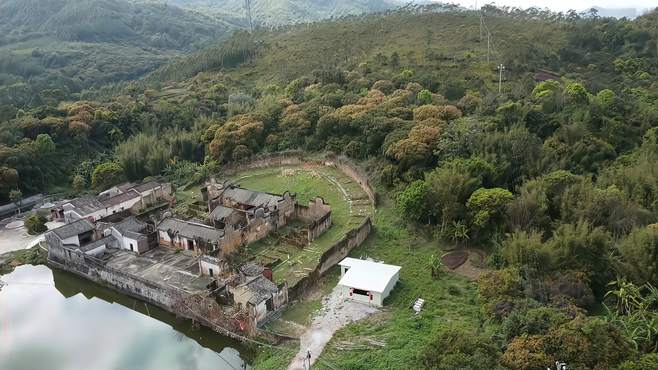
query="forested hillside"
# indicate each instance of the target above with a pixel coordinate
(555, 177)
(280, 12)
(51, 49)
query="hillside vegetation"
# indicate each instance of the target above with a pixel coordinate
(51, 49)
(279, 12)
(554, 178)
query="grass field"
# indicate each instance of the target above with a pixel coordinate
(349, 207)
(392, 339)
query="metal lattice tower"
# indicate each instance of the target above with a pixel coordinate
(247, 8)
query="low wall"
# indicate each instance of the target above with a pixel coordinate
(352, 238)
(298, 157)
(332, 256)
(201, 309)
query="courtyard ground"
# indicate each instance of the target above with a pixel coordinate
(12, 239)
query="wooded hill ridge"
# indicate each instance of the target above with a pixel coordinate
(554, 177)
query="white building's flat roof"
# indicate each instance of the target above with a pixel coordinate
(367, 275)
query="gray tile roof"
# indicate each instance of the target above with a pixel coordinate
(252, 198)
(120, 198)
(252, 269)
(73, 229)
(262, 289)
(190, 230)
(221, 212)
(93, 245)
(86, 205)
(130, 224)
(125, 186)
(147, 186)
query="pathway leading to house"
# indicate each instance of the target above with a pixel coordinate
(334, 314)
(12, 239)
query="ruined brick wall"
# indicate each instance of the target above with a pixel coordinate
(317, 216)
(332, 256)
(288, 158)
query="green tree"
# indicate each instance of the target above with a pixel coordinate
(79, 184)
(106, 175)
(424, 97)
(36, 224)
(488, 205)
(459, 232)
(639, 256)
(453, 348)
(413, 203)
(44, 145)
(16, 197)
(434, 265)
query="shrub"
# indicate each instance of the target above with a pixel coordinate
(35, 224)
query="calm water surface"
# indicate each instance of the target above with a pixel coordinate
(51, 319)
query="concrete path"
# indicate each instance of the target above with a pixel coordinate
(334, 314)
(18, 238)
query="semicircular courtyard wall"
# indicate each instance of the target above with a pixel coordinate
(351, 239)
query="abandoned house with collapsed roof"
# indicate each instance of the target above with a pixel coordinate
(174, 262)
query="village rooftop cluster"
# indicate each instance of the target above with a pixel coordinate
(127, 237)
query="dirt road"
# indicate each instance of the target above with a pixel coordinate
(334, 314)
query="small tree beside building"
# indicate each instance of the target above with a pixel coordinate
(36, 224)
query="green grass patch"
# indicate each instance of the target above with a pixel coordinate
(33, 256)
(349, 207)
(392, 338)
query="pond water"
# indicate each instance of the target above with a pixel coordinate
(50, 319)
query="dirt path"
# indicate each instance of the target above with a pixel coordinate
(334, 314)
(18, 238)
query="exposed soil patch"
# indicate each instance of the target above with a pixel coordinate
(454, 259)
(335, 313)
(473, 266)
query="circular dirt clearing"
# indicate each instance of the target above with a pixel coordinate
(15, 225)
(452, 260)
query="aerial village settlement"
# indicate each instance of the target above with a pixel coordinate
(128, 238)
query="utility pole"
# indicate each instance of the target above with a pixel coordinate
(501, 68)
(488, 45)
(247, 8)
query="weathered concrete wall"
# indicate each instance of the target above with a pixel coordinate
(332, 256)
(289, 158)
(357, 174)
(317, 215)
(202, 309)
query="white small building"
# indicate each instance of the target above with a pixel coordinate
(367, 281)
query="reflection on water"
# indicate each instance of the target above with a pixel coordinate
(56, 320)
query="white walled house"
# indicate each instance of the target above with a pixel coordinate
(131, 234)
(125, 197)
(367, 281)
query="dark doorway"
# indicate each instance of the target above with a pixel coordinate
(190, 245)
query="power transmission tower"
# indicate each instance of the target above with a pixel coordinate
(501, 68)
(247, 8)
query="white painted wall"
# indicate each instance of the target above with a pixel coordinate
(205, 267)
(125, 242)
